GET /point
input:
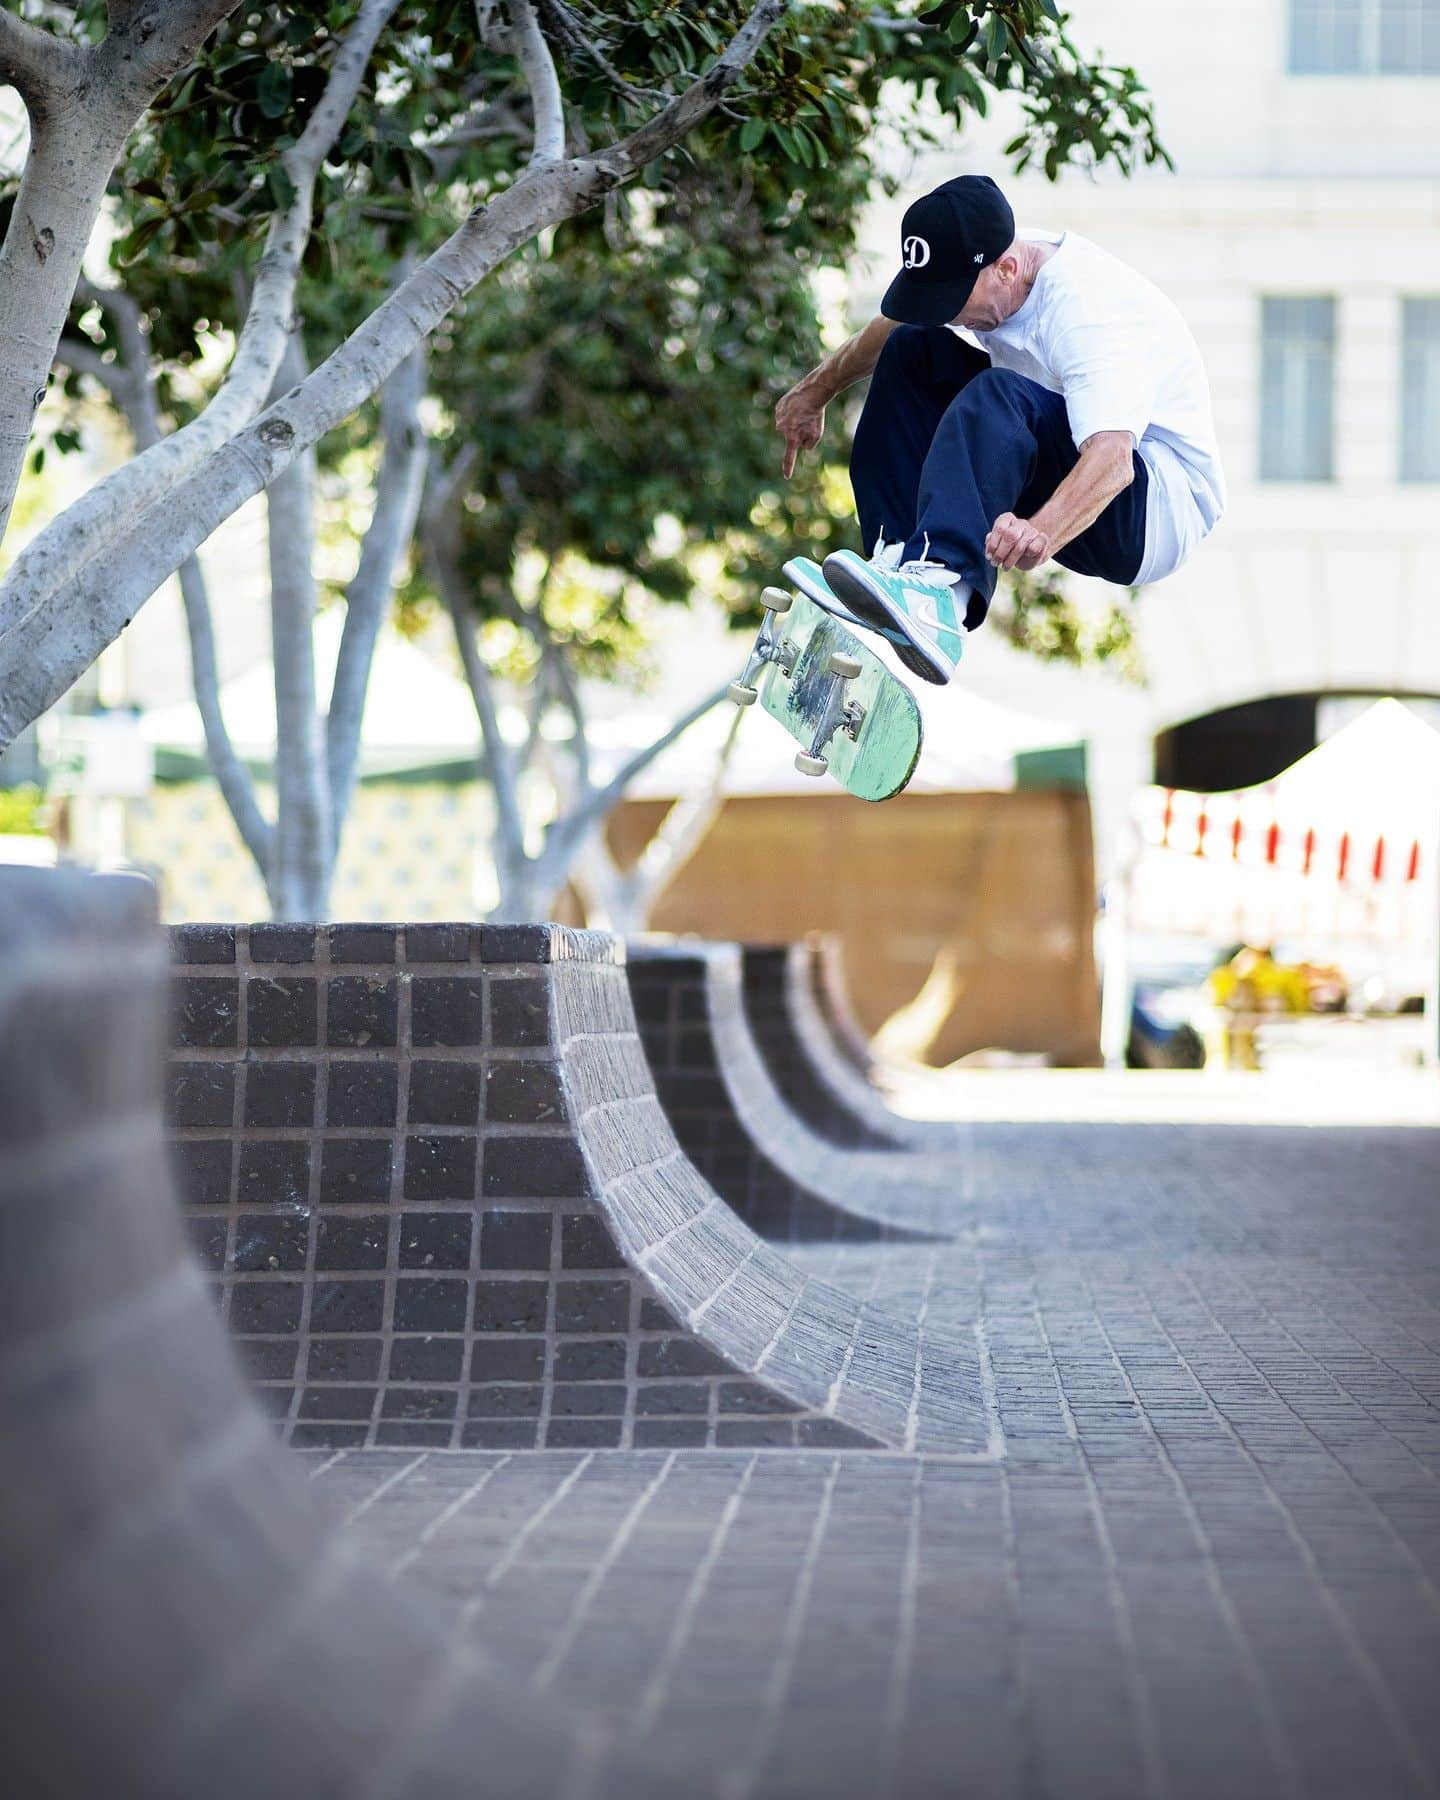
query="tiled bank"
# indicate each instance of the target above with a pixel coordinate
(732, 1121)
(766, 972)
(427, 1170)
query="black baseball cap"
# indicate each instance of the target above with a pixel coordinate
(946, 238)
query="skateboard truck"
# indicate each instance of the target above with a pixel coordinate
(771, 646)
(840, 715)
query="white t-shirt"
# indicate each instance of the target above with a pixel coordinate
(1099, 333)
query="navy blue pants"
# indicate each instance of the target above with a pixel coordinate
(946, 443)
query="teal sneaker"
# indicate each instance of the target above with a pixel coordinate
(918, 607)
(806, 574)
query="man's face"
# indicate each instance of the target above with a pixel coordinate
(993, 298)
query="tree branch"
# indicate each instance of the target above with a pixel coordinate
(55, 555)
(132, 386)
(398, 487)
(614, 789)
(438, 536)
(45, 653)
(32, 61)
(537, 66)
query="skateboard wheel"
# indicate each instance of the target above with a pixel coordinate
(811, 765)
(742, 695)
(841, 664)
(776, 600)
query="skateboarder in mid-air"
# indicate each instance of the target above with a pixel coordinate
(1080, 429)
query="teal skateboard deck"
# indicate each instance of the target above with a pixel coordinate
(852, 718)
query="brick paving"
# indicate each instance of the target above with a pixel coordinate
(1206, 1564)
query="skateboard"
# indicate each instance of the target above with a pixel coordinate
(852, 718)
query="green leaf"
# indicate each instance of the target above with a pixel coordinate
(751, 133)
(997, 38)
(273, 91)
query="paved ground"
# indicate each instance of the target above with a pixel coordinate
(1207, 1563)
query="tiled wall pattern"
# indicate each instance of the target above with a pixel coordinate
(829, 1045)
(765, 972)
(427, 1170)
(790, 1183)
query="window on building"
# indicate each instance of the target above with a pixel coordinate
(1297, 389)
(1420, 390)
(1365, 37)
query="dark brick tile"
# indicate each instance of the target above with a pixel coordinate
(680, 1356)
(274, 1173)
(586, 1243)
(519, 1012)
(270, 1241)
(511, 1305)
(419, 1403)
(343, 1359)
(444, 1093)
(267, 1359)
(447, 1010)
(586, 1361)
(524, 1093)
(586, 1400)
(202, 1170)
(347, 1306)
(671, 1434)
(265, 1308)
(437, 943)
(583, 1434)
(435, 1240)
(654, 1316)
(425, 1304)
(307, 1435)
(514, 1240)
(672, 1397)
(282, 943)
(279, 1093)
(413, 1434)
(204, 1011)
(514, 943)
(522, 1167)
(361, 1093)
(282, 1010)
(498, 1434)
(503, 1402)
(592, 1306)
(362, 943)
(439, 1168)
(427, 1358)
(354, 1171)
(202, 944)
(337, 1403)
(754, 1434)
(355, 1241)
(507, 1359)
(200, 1094)
(361, 1012)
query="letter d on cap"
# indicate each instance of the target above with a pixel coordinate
(916, 252)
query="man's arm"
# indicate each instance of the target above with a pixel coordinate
(1106, 468)
(800, 414)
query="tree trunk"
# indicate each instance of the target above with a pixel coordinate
(299, 876)
(83, 104)
(398, 484)
(72, 154)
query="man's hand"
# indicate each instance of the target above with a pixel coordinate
(800, 420)
(1016, 544)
